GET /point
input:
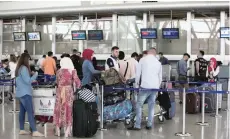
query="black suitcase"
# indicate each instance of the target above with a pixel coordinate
(85, 118)
(192, 103)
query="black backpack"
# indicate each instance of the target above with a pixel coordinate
(85, 117)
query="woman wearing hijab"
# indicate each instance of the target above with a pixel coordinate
(66, 78)
(213, 70)
(87, 67)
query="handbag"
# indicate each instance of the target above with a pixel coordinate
(86, 95)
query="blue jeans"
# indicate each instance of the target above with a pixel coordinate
(141, 97)
(26, 105)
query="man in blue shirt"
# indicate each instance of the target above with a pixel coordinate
(182, 73)
(163, 60)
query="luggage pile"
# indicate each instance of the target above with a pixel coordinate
(194, 100)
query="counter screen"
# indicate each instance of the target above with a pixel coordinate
(148, 33)
(95, 35)
(170, 33)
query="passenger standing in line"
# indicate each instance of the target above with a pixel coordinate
(77, 62)
(163, 59)
(123, 64)
(40, 62)
(112, 61)
(182, 70)
(131, 74)
(12, 65)
(87, 67)
(200, 67)
(66, 78)
(149, 69)
(213, 70)
(49, 66)
(24, 94)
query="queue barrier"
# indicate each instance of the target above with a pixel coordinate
(192, 90)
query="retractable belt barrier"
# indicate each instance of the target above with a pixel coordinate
(190, 90)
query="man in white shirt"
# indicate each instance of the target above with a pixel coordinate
(40, 62)
(148, 76)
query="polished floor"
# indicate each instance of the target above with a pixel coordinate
(218, 128)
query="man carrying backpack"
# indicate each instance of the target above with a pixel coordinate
(200, 67)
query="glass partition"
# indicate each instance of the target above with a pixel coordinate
(172, 46)
(129, 39)
(227, 41)
(205, 36)
(102, 46)
(43, 46)
(10, 46)
(64, 42)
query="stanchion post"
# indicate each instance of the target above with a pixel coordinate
(203, 123)
(102, 109)
(14, 101)
(3, 94)
(183, 133)
(217, 106)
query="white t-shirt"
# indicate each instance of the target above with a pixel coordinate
(12, 67)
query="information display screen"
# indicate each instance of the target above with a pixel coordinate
(78, 35)
(170, 33)
(34, 36)
(148, 33)
(19, 36)
(95, 34)
(224, 32)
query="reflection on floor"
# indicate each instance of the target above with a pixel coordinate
(218, 128)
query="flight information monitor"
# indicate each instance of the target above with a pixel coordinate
(78, 35)
(95, 35)
(34, 36)
(148, 33)
(170, 33)
(19, 36)
(224, 32)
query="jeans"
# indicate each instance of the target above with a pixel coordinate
(141, 97)
(26, 105)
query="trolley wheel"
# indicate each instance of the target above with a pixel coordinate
(127, 122)
(161, 118)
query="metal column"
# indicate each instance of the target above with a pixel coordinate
(222, 41)
(1, 37)
(151, 19)
(23, 44)
(81, 44)
(144, 26)
(189, 36)
(53, 48)
(114, 25)
(34, 29)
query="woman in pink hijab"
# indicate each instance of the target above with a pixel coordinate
(213, 70)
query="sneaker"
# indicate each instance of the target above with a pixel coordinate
(23, 132)
(37, 134)
(148, 127)
(133, 128)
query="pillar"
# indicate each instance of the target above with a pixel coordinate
(144, 26)
(1, 37)
(189, 37)
(81, 42)
(222, 40)
(114, 29)
(53, 48)
(151, 19)
(34, 29)
(23, 44)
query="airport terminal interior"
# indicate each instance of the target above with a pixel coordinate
(173, 28)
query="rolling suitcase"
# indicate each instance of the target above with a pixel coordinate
(85, 117)
(192, 103)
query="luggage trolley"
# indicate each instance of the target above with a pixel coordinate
(44, 102)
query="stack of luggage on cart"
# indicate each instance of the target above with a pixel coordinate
(116, 105)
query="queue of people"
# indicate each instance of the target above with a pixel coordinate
(75, 71)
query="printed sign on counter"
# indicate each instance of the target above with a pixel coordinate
(44, 106)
